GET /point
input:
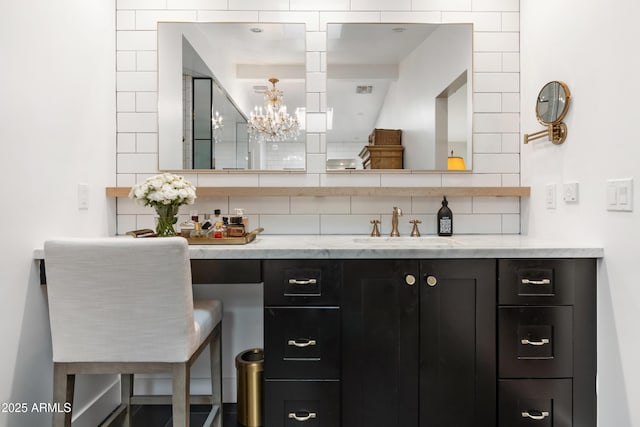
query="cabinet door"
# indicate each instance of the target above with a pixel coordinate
(380, 358)
(457, 343)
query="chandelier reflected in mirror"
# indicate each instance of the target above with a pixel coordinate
(273, 123)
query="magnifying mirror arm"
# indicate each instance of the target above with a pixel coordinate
(556, 132)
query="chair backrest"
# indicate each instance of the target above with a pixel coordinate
(120, 299)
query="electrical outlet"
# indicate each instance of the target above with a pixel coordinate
(620, 194)
(550, 196)
(570, 192)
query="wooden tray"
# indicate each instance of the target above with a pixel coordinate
(247, 238)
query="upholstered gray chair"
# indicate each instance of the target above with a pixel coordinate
(125, 306)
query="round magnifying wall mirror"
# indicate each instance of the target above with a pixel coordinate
(553, 103)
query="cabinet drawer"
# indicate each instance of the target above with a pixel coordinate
(302, 343)
(211, 271)
(535, 403)
(537, 282)
(535, 342)
(302, 282)
(306, 403)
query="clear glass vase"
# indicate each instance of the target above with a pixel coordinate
(167, 217)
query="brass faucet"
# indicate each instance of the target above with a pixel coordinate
(397, 212)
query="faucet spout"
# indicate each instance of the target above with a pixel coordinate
(397, 212)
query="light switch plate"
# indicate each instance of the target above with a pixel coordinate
(620, 194)
(570, 192)
(83, 196)
(550, 196)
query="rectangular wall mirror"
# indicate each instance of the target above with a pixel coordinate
(399, 96)
(212, 78)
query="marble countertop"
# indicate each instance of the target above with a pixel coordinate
(344, 247)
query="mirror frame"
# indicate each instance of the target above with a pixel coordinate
(565, 108)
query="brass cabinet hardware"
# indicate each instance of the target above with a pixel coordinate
(302, 342)
(303, 281)
(542, 416)
(536, 282)
(410, 279)
(432, 281)
(543, 341)
(306, 417)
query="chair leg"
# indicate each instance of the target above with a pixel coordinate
(63, 385)
(215, 356)
(180, 397)
(126, 391)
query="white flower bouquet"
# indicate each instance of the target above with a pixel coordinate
(165, 192)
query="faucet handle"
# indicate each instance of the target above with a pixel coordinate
(375, 232)
(415, 232)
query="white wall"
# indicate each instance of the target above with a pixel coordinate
(57, 129)
(591, 47)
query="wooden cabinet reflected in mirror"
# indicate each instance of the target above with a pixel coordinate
(413, 78)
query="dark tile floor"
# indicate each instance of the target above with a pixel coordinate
(160, 415)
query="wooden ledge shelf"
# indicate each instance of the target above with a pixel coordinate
(348, 191)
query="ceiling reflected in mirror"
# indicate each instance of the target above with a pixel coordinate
(212, 77)
(409, 80)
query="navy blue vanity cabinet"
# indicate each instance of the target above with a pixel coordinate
(547, 342)
(418, 343)
(302, 342)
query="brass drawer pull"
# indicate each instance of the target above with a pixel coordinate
(306, 417)
(303, 281)
(536, 282)
(304, 342)
(542, 416)
(543, 341)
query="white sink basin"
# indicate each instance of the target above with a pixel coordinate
(408, 241)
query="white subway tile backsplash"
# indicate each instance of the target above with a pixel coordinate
(496, 42)
(258, 4)
(337, 17)
(482, 21)
(126, 61)
(228, 16)
(487, 102)
(487, 62)
(310, 19)
(316, 5)
(381, 4)
(146, 102)
(137, 122)
(411, 17)
(148, 19)
(502, 205)
(136, 81)
(442, 5)
(510, 21)
(136, 40)
(126, 143)
(321, 205)
(147, 60)
(147, 142)
(347, 224)
(410, 179)
(496, 122)
(137, 163)
(126, 101)
(496, 163)
(477, 224)
(475, 179)
(496, 82)
(487, 143)
(496, 117)
(290, 224)
(500, 5)
(196, 4)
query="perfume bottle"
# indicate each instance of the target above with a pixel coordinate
(445, 219)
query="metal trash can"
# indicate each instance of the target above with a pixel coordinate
(250, 365)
